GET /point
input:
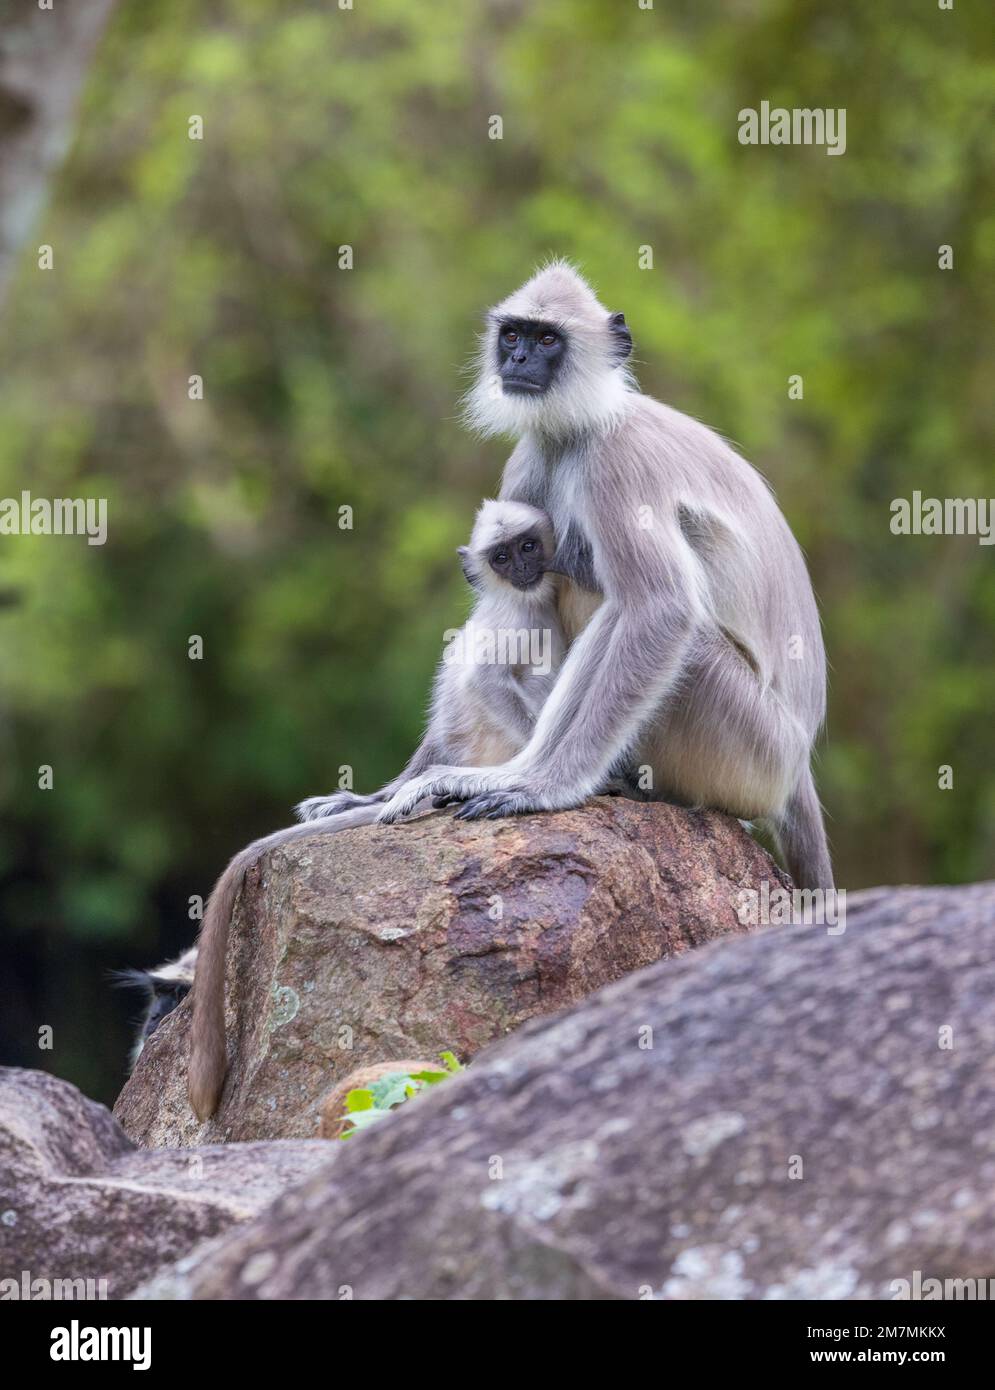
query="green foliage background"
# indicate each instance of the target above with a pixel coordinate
(327, 387)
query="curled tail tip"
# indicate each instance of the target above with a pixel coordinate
(203, 1094)
(206, 1073)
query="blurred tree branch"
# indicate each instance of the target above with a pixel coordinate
(44, 57)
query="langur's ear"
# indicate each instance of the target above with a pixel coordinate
(621, 337)
(469, 572)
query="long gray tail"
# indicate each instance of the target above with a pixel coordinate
(801, 835)
(208, 1049)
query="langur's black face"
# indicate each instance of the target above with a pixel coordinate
(529, 356)
(520, 562)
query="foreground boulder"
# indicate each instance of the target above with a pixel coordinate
(815, 1118)
(79, 1204)
(403, 941)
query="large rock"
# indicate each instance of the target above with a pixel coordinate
(78, 1202)
(403, 941)
(815, 1118)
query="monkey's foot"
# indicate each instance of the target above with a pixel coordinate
(318, 807)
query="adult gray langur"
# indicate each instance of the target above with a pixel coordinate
(494, 677)
(698, 651)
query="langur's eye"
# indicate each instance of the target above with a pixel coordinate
(548, 339)
(511, 337)
(529, 546)
(501, 558)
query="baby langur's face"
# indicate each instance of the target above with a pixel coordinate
(519, 561)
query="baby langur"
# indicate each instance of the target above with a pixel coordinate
(164, 987)
(500, 667)
(488, 691)
(490, 686)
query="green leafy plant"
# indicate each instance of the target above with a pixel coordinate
(367, 1105)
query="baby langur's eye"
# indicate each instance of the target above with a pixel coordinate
(548, 339)
(528, 547)
(501, 558)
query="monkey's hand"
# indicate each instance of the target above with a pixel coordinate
(318, 807)
(453, 783)
(485, 791)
